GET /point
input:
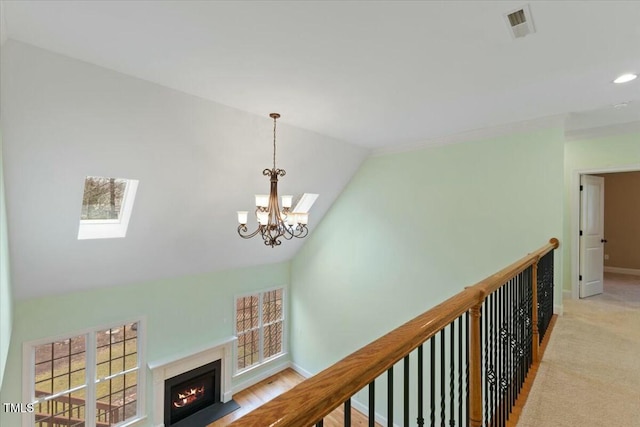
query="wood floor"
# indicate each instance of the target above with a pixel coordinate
(264, 391)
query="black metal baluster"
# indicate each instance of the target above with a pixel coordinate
(452, 371)
(460, 368)
(347, 413)
(372, 403)
(509, 353)
(432, 396)
(320, 423)
(442, 382)
(495, 333)
(420, 419)
(501, 363)
(406, 391)
(512, 340)
(390, 396)
(466, 344)
(485, 320)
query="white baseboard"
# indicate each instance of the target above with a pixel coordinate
(262, 376)
(299, 369)
(558, 309)
(620, 270)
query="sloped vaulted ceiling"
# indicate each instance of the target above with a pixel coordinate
(177, 94)
(197, 163)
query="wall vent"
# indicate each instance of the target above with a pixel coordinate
(519, 22)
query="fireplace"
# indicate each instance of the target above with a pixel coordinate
(189, 360)
(191, 392)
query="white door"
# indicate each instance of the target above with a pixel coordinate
(591, 235)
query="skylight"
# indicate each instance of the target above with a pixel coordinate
(106, 207)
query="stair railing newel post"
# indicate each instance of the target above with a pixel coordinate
(475, 365)
(535, 336)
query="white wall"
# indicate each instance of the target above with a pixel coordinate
(6, 297)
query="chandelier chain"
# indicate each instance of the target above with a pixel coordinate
(274, 143)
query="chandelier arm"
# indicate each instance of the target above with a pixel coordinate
(287, 232)
(243, 229)
(303, 231)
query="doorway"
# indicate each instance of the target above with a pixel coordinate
(590, 249)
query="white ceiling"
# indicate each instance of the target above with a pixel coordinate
(371, 73)
(382, 75)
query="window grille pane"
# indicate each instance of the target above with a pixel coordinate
(116, 399)
(131, 345)
(272, 339)
(112, 345)
(65, 410)
(59, 366)
(272, 306)
(44, 353)
(248, 349)
(247, 314)
(102, 198)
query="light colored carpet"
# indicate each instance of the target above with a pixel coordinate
(590, 373)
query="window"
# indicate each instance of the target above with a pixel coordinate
(93, 379)
(106, 207)
(259, 327)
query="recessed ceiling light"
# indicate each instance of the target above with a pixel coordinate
(625, 78)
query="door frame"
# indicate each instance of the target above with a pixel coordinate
(576, 207)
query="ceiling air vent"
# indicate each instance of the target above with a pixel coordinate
(520, 22)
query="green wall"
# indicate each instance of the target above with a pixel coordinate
(412, 229)
(201, 305)
(588, 155)
(6, 300)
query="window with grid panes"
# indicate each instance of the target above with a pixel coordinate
(259, 327)
(87, 380)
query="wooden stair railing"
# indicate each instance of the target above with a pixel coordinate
(483, 396)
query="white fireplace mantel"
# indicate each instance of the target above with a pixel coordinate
(175, 365)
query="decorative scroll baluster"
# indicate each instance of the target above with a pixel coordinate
(545, 293)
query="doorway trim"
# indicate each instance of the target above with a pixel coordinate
(574, 193)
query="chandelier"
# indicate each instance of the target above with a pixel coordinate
(274, 222)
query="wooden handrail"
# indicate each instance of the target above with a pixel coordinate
(313, 399)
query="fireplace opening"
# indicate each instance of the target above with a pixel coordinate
(191, 392)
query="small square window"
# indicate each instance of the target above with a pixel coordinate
(106, 207)
(102, 198)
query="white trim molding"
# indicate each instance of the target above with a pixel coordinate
(170, 367)
(299, 369)
(621, 270)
